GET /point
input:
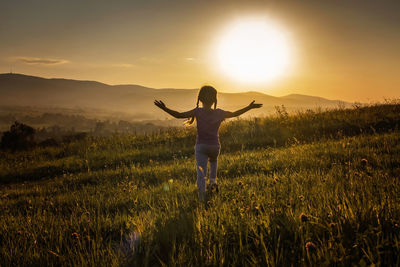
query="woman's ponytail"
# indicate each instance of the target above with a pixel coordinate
(190, 122)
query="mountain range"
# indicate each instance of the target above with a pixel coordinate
(31, 91)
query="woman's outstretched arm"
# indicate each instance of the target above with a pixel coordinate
(176, 114)
(243, 110)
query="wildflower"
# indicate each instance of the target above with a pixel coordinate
(170, 181)
(311, 247)
(364, 162)
(303, 217)
(166, 187)
(257, 210)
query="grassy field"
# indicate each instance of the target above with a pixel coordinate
(319, 187)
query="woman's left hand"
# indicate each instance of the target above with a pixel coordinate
(254, 105)
(160, 104)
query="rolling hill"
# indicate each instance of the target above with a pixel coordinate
(23, 90)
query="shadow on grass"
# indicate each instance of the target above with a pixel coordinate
(166, 242)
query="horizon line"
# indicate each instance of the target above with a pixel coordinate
(168, 88)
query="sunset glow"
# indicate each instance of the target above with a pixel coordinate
(253, 51)
(346, 51)
(199, 133)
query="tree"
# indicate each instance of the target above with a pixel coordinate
(20, 137)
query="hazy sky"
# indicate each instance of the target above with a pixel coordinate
(346, 50)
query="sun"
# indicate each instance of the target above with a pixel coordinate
(253, 51)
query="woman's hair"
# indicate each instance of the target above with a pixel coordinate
(207, 94)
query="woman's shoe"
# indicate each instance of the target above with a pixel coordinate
(213, 188)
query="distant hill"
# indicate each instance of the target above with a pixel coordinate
(136, 100)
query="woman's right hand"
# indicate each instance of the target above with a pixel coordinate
(160, 104)
(254, 105)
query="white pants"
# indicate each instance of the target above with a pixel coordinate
(205, 153)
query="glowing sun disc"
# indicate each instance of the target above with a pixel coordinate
(253, 51)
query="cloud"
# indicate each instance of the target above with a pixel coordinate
(41, 61)
(107, 65)
(150, 60)
(122, 65)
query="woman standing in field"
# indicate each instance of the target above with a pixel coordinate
(207, 142)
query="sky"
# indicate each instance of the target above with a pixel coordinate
(346, 50)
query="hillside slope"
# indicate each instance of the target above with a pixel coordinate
(23, 90)
(311, 189)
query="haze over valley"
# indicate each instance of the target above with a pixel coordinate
(23, 95)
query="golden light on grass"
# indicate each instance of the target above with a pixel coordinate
(254, 51)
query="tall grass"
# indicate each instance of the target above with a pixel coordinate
(329, 178)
